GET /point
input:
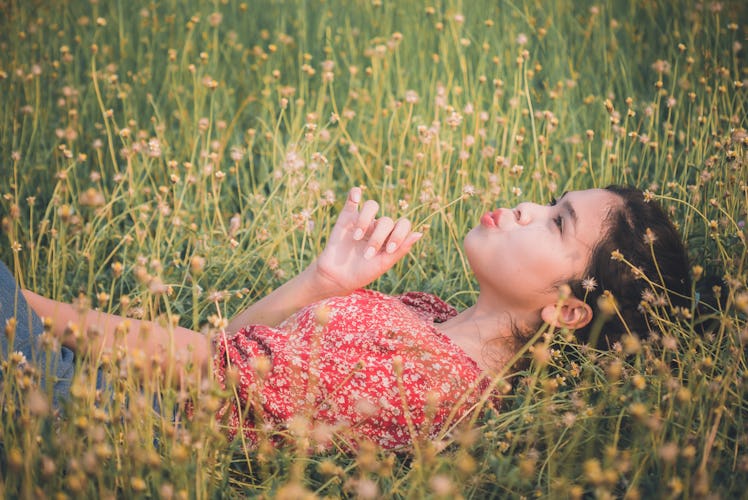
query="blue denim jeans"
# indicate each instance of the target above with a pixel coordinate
(28, 328)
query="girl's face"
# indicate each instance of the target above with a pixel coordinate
(519, 255)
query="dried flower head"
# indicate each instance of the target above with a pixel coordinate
(649, 237)
(589, 284)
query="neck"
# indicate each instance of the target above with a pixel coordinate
(487, 333)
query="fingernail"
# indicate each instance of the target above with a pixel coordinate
(391, 247)
(358, 234)
(370, 253)
(355, 195)
(417, 236)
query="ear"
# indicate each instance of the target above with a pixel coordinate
(572, 313)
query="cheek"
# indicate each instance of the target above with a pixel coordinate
(491, 256)
(539, 264)
(528, 257)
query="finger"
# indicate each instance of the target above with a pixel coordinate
(354, 198)
(397, 235)
(407, 243)
(365, 219)
(350, 210)
(381, 231)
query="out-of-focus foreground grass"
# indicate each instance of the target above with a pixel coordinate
(176, 160)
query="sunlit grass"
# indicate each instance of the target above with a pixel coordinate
(176, 160)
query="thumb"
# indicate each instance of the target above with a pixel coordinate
(349, 212)
(354, 198)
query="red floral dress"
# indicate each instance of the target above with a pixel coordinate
(366, 365)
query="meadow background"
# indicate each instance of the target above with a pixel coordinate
(176, 160)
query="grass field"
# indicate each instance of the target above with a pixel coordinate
(177, 160)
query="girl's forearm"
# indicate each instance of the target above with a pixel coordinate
(360, 248)
(94, 332)
(302, 290)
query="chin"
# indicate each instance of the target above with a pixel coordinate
(472, 235)
(472, 246)
(468, 242)
(476, 240)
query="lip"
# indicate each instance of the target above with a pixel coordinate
(491, 219)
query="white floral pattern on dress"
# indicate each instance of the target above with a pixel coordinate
(366, 365)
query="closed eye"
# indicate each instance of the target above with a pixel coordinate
(559, 221)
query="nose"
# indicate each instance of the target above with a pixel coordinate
(526, 212)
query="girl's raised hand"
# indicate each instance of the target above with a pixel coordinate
(362, 247)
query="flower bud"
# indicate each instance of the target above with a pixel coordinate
(197, 265)
(322, 314)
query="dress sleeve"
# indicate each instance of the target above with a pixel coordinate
(241, 363)
(429, 307)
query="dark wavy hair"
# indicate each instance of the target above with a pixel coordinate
(641, 261)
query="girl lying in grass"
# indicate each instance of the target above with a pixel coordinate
(359, 364)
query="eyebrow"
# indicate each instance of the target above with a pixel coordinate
(567, 206)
